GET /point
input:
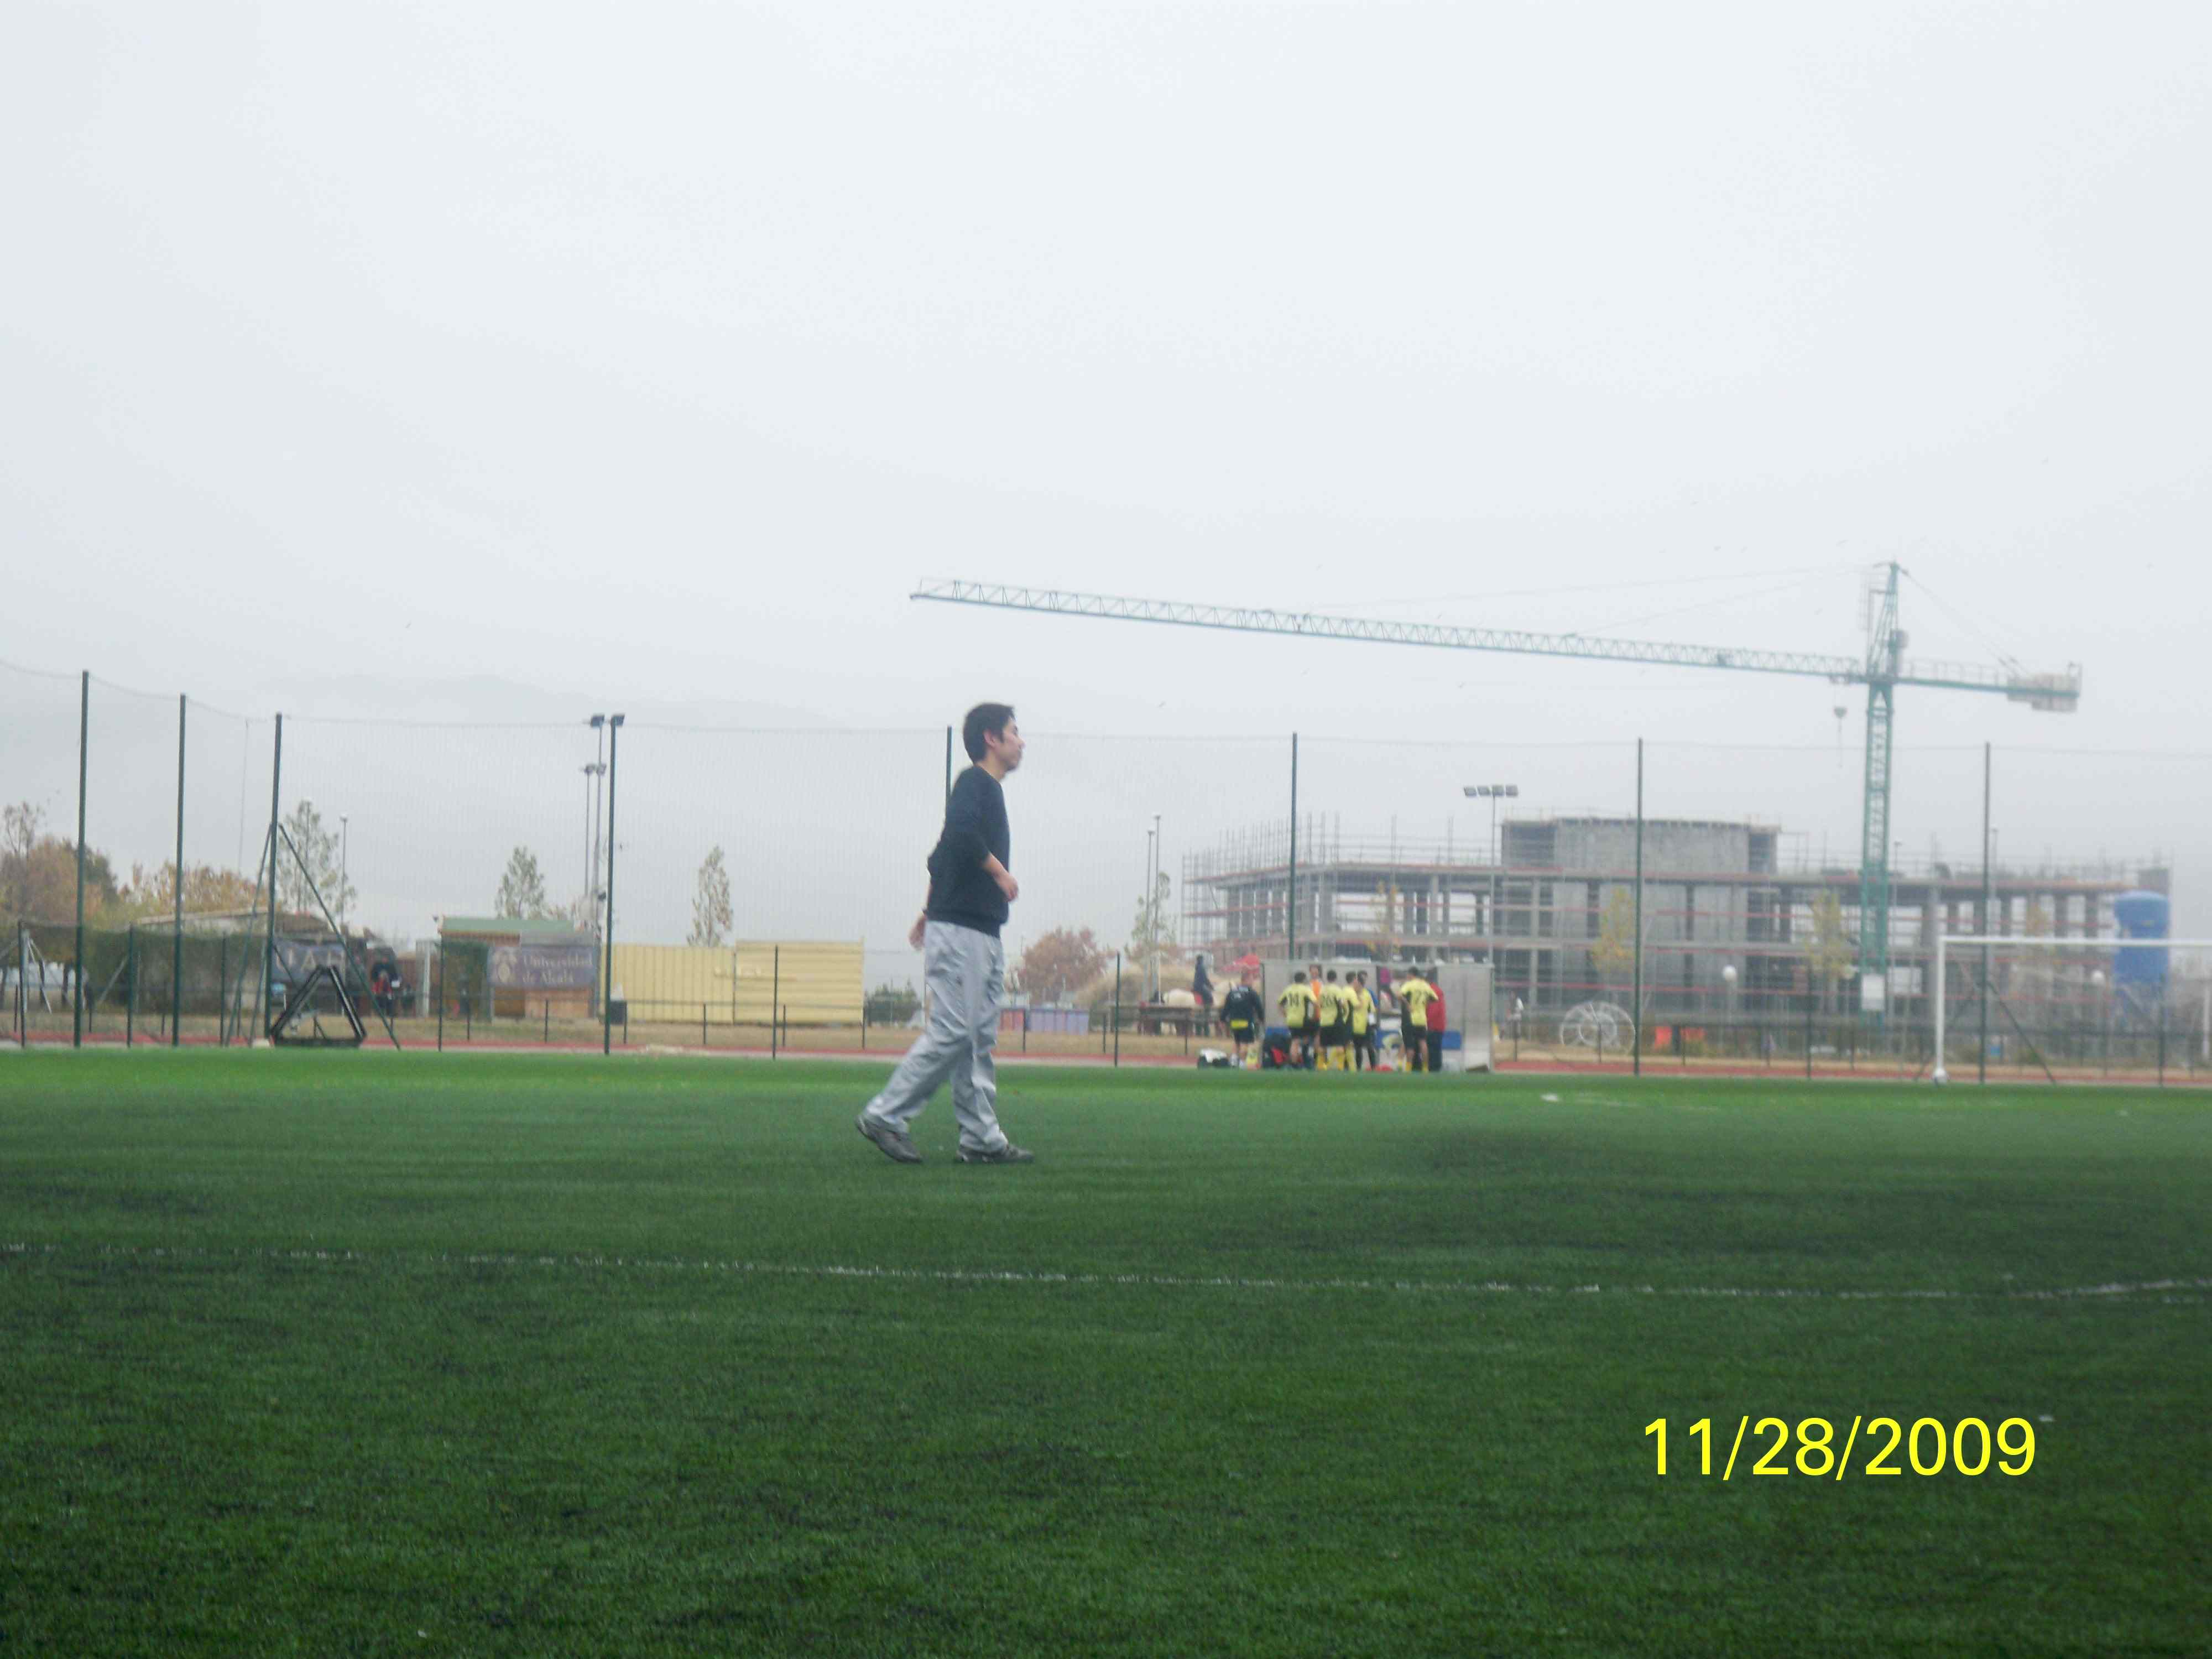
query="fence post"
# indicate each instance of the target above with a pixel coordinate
(2161, 1034)
(607, 992)
(130, 1007)
(1808, 1041)
(275, 845)
(1290, 893)
(83, 754)
(441, 999)
(1025, 1030)
(177, 945)
(776, 957)
(1636, 1013)
(1117, 1013)
(702, 1025)
(1982, 1032)
(547, 1037)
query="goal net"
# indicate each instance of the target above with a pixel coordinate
(2067, 1007)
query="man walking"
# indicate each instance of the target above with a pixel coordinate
(971, 884)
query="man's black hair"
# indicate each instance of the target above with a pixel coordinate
(1332, 977)
(991, 717)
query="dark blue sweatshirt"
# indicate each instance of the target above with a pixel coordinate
(960, 891)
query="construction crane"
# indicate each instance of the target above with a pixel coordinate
(1883, 669)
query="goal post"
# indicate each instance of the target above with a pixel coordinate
(1939, 998)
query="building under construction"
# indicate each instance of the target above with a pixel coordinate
(1554, 911)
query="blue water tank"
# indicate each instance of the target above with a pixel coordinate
(2141, 916)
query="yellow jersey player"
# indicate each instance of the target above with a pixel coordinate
(1296, 1001)
(1362, 1001)
(1415, 995)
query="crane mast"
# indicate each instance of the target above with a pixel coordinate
(1881, 671)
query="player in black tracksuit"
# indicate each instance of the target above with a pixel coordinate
(1241, 1012)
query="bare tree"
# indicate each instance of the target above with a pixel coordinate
(522, 888)
(318, 849)
(711, 916)
(1828, 955)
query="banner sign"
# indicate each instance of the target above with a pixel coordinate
(544, 966)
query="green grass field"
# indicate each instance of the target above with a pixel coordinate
(377, 1354)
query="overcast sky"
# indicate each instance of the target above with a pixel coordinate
(647, 356)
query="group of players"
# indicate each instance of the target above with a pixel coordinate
(1333, 1023)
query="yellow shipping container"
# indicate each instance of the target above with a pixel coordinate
(818, 983)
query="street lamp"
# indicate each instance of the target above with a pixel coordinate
(1492, 793)
(1727, 980)
(344, 842)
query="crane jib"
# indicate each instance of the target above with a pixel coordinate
(2048, 690)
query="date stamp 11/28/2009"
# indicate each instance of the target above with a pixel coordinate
(1930, 1447)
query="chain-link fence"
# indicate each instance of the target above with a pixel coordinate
(663, 881)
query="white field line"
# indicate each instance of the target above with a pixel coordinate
(1021, 1276)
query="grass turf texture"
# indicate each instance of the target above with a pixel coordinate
(373, 1354)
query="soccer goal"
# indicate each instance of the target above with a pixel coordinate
(2137, 997)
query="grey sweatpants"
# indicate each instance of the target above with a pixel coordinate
(966, 972)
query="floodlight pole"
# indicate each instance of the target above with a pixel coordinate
(598, 769)
(1290, 906)
(83, 754)
(275, 846)
(1982, 1041)
(607, 1000)
(177, 933)
(1636, 1023)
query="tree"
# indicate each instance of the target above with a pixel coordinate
(318, 850)
(1614, 953)
(1828, 954)
(1055, 967)
(37, 872)
(1151, 932)
(21, 828)
(522, 888)
(711, 918)
(207, 891)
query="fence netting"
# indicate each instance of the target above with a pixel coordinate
(702, 884)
